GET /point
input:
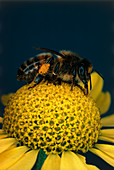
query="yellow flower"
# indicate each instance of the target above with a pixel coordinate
(55, 127)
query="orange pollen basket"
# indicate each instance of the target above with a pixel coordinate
(44, 68)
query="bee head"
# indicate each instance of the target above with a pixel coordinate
(84, 72)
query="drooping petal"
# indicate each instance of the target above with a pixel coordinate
(5, 98)
(9, 157)
(89, 167)
(103, 101)
(103, 155)
(97, 85)
(1, 120)
(26, 162)
(108, 121)
(108, 133)
(52, 162)
(107, 139)
(108, 149)
(72, 161)
(5, 143)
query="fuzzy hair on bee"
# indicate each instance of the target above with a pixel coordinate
(56, 67)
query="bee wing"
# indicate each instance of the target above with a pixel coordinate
(30, 68)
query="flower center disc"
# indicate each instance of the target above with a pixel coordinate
(52, 118)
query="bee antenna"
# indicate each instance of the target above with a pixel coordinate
(51, 51)
(97, 73)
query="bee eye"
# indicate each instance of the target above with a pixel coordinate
(81, 71)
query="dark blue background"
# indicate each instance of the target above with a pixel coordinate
(86, 28)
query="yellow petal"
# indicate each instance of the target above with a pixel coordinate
(104, 156)
(1, 120)
(5, 98)
(5, 143)
(108, 133)
(89, 167)
(103, 101)
(9, 157)
(1, 131)
(97, 85)
(26, 162)
(108, 149)
(71, 161)
(107, 139)
(108, 121)
(3, 136)
(11, 147)
(52, 162)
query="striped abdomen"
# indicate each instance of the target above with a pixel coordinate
(30, 68)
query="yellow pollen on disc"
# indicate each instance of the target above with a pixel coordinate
(52, 118)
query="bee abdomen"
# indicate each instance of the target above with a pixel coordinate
(28, 69)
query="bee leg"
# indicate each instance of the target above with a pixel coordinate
(59, 81)
(47, 79)
(54, 77)
(86, 87)
(72, 87)
(49, 60)
(90, 83)
(73, 80)
(32, 86)
(56, 68)
(37, 80)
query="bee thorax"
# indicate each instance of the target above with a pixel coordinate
(66, 77)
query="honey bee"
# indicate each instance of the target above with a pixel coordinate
(55, 67)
